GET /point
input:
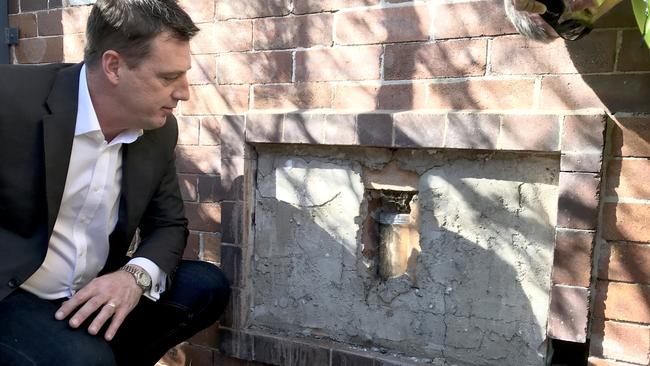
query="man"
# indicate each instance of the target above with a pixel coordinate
(86, 158)
(546, 20)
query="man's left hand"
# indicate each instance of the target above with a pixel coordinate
(116, 294)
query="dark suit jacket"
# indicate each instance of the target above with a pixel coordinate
(38, 107)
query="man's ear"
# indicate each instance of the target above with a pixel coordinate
(111, 64)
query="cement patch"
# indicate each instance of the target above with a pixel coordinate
(482, 277)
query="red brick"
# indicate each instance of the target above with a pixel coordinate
(198, 159)
(482, 94)
(199, 10)
(634, 54)
(572, 258)
(315, 6)
(340, 63)
(211, 249)
(520, 55)
(228, 9)
(631, 136)
(530, 132)
(231, 222)
(578, 201)
(203, 71)
(209, 187)
(73, 47)
(233, 36)
(188, 184)
(626, 221)
(419, 130)
(39, 50)
(623, 301)
(440, 59)
(613, 92)
(627, 262)
(193, 247)
(629, 178)
(621, 341)
(291, 32)
(620, 16)
(379, 96)
(293, 96)
(188, 130)
(208, 337)
(581, 162)
(472, 131)
(13, 7)
(471, 19)
(203, 216)
(32, 5)
(593, 361)
(53, 4)
(232, 136)
(26, 24)
(216, 99)
(210, 131)
(568, 313)
(369, 26)
(583, 134)
(197, 355)
(254, 68)
(50, 23)
(232, 178)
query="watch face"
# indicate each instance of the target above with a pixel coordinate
(143, 279)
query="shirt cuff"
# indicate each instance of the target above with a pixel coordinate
(158, 277)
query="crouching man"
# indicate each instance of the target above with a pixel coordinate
(86, 158)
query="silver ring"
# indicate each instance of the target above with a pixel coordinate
(111, 305)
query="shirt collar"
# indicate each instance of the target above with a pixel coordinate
(87, 122)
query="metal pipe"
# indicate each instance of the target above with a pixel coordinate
(4, 24)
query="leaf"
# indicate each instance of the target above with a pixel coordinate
(641, 14)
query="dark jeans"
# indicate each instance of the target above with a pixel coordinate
(30, 335)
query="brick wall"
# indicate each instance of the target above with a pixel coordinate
(352, 56)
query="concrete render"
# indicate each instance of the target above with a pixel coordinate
(482, 278)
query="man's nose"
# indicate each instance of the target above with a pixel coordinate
(182, 90)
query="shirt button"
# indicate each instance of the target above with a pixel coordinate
(13, 283)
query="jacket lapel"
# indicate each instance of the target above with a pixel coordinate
(137, 160)
(58, 133)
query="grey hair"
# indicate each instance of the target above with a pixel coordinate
(525, 24)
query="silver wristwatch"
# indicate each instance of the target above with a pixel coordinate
(141, 276)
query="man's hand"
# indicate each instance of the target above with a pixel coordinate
(530, 6)
(116, 294)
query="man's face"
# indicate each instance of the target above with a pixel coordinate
(150, 91)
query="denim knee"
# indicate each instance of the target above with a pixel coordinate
(200, 286)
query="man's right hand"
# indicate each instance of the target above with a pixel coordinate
(116, 294)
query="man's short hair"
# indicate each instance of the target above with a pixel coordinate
(129, 26)
(525, 24)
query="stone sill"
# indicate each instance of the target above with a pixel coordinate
(273, 349)
(478, 131)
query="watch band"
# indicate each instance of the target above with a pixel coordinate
(141, 276)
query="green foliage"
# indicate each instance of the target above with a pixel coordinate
(641, 14)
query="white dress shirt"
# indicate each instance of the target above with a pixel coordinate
(78, 247)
